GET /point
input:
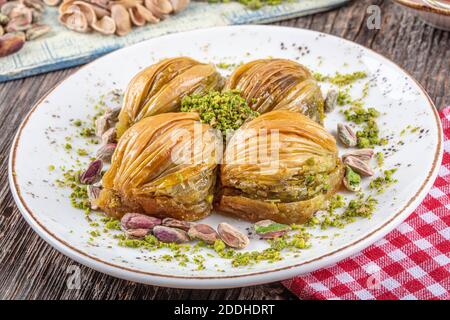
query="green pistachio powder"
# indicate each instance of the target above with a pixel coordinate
(224, 111)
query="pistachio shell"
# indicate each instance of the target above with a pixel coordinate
(74, 19)
(159, 8)
(52, 3)
(87, 10)
(122, 19)
(146, 14)
(100, 11)
(37, 31)
(21, 18)
(105, 25)
(9, 6)
(38, 5)
(127, 4)
(11, 43)
(2, 31)
(137, 19)
(179, 5)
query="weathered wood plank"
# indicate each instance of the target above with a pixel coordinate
(31, 269)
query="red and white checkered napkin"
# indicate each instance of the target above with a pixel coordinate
(411, 262)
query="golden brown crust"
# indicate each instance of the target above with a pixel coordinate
(291, 212)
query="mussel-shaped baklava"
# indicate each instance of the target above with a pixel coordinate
(161, 87)
(164, 166)
(272, 84)
(280, 166)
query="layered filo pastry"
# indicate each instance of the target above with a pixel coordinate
(165, 166)
(273, 84)
(280, 166)
(160, 88)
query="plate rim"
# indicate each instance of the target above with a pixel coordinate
(226, 281)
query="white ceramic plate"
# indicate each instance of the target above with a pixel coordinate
(399, 97)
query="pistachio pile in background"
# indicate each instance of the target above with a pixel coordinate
(20, 22)
(115, 17)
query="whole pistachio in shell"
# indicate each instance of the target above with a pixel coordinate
(106, 152)
(11, 43)
(352, 180)
(21, 18)
(232, 236)
(7, 8)
(203, 232)
(170, 235)
(174, 223)
(105, 25)
(122, 19)
(110, 136)
(93, 192)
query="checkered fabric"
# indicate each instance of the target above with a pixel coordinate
(411, 262)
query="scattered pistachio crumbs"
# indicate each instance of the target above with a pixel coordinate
(224, 111)
(382, 182)
(340, 79)
(369, 136)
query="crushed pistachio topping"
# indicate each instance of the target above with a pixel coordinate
(369, 136)
(341, 79)
(382, 182)
(361, 207)
(222, 110)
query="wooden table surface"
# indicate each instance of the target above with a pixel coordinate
(32, 269)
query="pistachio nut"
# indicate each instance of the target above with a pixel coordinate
(346, 135)
(352, 180)
(106, 152)
(331, 100)
(268, 229)
(231, 236)
(3, 19)
(101, 125)
(93, 192)
(37, 31)
(110, 136)
(137, 233)
(139, 221)
(170, 235)
(359, 166)
(203, 232)
(11, 43)
(174, 223)
(93, 173)
(361, 154)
